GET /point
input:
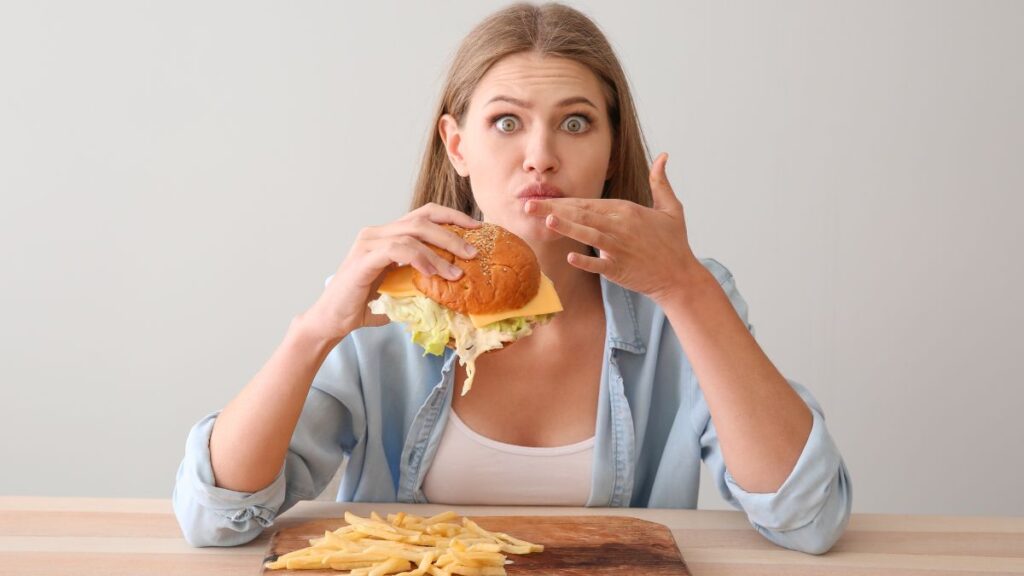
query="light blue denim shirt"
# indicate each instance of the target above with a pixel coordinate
(379, 401)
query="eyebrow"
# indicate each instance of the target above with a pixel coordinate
(523, 104)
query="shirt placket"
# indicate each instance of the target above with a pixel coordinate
(623, 436)
(422, 436)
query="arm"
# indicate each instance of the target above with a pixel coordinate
(762, 423)
(280, 441)
(327, 428)
(809, 510)
(250, 437)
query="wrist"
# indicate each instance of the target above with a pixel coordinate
(690, 279)
(314, 329)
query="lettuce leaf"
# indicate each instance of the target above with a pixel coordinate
(432, 326)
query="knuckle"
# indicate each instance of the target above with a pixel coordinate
(426, 262)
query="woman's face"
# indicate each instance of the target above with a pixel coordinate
(536, 126)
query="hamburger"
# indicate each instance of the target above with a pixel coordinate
(499, 298)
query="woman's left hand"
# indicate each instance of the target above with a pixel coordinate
(642, 249)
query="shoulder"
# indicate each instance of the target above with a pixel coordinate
(718, 270)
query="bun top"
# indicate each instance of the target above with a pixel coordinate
(504, 275)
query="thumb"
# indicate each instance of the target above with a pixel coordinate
(661, 191)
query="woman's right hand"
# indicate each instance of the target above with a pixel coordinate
(343, 306)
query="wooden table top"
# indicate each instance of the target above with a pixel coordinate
(85, 536)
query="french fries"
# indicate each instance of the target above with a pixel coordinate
(441, 545)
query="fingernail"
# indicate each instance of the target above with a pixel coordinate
(552, 221)
(470, 250)
(454, 272)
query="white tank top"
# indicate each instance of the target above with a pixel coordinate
(470, 469)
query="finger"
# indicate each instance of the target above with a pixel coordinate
(431, 233)
(599, 205)
(661, 190)
(408, 250)
(380, 260)
(445, 215)
(585, 234)
(569, 213)
(590, 263)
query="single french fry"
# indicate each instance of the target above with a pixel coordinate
(391, 552)
(442, 517)
(391, 566)
(351, 565)
(304, 563)
(485, 547)
(397, 519)
(378, 533)
(367, 556)
(475, 570)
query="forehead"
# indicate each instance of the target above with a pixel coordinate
(537, 79)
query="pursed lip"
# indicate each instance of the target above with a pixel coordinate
(540, 191)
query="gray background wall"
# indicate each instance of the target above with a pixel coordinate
(179, 178)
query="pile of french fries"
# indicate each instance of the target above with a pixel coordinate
(441, 545)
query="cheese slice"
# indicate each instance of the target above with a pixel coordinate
(398, 284)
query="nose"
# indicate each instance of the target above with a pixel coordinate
(540, 155)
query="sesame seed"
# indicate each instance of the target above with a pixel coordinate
(484, 238)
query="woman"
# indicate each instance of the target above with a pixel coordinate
(650, 368)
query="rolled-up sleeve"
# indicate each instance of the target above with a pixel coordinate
(325, 433)
(213, 516)
(810, 510)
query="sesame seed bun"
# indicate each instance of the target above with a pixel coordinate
(504, 275)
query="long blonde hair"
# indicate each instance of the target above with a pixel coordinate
(550, 30)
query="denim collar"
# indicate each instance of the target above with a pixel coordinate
(620, 316)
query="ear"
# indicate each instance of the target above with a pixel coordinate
(448, 128)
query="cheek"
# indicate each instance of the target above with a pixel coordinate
(489, 155)
(594, 162)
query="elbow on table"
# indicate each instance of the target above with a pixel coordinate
(203, 527)
(826, 527)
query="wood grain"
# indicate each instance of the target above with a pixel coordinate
(573, 545)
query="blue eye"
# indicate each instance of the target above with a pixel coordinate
(576, 124)
(506, 124)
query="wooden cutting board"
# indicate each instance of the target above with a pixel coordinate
(573, 545)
